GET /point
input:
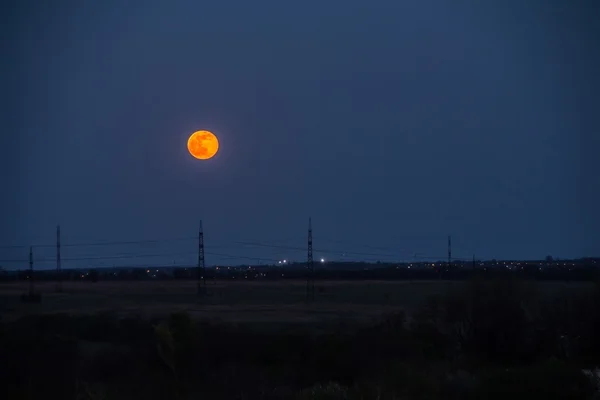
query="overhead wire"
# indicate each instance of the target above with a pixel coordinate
(343, 253)
(106, 243)
(258, 244)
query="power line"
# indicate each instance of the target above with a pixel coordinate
(142, 255)
(14, 247)
(126, 242)
(231, 244)
(258, 244)
(137, 255)
(316, 250)
(116, 257)
(90, 244)
(222, 255)
(242, 257)
(364, 245)
(440, 258)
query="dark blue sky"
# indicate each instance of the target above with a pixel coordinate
(392, 123)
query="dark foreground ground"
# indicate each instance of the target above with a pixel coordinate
(375, 340)
(261, 302)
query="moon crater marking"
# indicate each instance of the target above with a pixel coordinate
(203, 145)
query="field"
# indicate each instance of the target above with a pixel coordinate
(273, 344)
(239, 302)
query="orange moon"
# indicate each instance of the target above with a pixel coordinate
(203, 145)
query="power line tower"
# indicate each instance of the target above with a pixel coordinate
(31, 272)
(58, 262)
(31, 296)
(310, 268)
(449, 250)
(201, 269)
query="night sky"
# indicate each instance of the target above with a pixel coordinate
(391, 123)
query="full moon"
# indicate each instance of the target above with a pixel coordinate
(203, 145)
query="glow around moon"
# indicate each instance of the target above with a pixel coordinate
(203, 145)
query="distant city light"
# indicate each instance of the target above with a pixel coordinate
(322, 260)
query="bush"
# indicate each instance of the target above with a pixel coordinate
(488, 321)
(456, 347)
(329, 391)
(550, 380)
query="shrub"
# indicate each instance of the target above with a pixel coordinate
(328, 391)
(550, 380)
(489, 321)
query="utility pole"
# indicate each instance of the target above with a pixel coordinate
(30, 271)
(449, 250)
(58, 262)
(201, 268)
(310, 269)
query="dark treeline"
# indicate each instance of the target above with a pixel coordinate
(586, 271)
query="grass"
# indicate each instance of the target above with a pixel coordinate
(241, 302)
(458, 346)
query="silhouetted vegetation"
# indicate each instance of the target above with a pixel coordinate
(493, 339)
(565, 271)
(94, 275)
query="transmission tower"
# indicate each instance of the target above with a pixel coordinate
(58, 263)
(31, 271)
(31, 296)
(310, 268)
(449, 250)
(201, 269)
